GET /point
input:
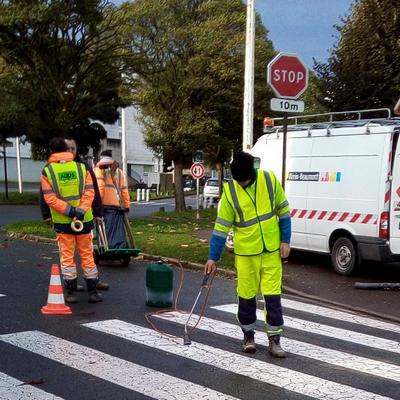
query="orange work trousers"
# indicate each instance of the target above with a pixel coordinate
(66, 245)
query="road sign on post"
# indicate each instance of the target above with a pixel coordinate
(287, 76)
(197, 170)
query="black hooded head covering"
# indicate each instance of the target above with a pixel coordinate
(242, 166)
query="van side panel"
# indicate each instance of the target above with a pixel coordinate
(347, 195)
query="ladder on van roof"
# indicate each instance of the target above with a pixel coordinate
(327, 120)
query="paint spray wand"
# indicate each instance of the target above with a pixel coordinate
(186, 336)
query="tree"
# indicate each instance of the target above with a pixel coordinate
(363, 70)
(189, 81)
(60, 69)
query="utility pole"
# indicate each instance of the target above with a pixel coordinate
(123, 145)
(248, 105)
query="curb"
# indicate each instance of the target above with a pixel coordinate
(223, 273)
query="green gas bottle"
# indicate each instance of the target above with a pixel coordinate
(159, 285)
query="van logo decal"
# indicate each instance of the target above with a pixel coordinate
(314, 176)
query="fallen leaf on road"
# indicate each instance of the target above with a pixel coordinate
(46, 258)
(38, 382)
(3, 245)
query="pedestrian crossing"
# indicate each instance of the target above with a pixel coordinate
(369, 368)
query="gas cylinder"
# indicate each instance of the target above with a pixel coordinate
(159, 285)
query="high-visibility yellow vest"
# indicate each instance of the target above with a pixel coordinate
(255, 221)
(68, 182)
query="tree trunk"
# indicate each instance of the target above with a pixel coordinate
(180, 204)
(220, 169)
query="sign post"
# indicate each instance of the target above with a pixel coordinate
(288, 77)
(197, 170)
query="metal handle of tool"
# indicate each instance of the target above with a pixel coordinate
(103, 236)
(77, 225)
(205, 280)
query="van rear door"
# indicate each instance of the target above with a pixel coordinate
(394, 223)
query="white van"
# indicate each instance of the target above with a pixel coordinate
(342, 183)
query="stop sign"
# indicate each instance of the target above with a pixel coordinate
(287, 76)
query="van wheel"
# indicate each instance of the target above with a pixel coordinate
(229, 242)
(344, 256)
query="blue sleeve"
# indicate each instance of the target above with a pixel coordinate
(285, 226)
(216, 246)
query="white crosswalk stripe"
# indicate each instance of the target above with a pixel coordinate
(286, 377)
(126, 374)
(263, 371)
(325, 330)
(333, 357)
(339, 315)
(11, 389)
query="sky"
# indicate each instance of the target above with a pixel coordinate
(302, 27)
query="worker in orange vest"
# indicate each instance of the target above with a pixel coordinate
(115, 197)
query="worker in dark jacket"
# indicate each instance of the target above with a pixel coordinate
(97, 205)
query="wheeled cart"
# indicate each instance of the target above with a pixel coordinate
(105, 252)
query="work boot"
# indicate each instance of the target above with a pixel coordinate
(102, 286)
(94, 295)
(70, 288)
(79, 288)
(275, 348)
(249, 345)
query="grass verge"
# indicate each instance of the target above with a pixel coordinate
(166, 234)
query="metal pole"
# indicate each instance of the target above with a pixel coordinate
(5, 169)
(197, 197)
(285, 124)
(123, 145)
(248, 103)
(19, 165)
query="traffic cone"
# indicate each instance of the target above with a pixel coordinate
(55, 300)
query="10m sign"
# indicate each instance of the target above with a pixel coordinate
(287, 105)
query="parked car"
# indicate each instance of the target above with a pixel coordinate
(189, 185)
(211, 188)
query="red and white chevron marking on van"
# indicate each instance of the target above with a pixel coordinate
(351, 218)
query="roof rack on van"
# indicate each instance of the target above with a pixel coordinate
(327, 120)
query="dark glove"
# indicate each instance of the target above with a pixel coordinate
(72, 212)
(79, 214)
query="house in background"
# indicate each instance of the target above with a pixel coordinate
(143, 168)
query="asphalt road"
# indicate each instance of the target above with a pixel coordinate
(109, 351)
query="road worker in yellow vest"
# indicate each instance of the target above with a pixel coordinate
(67, 189)
(255, 205)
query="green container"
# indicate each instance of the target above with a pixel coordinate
(159, 285)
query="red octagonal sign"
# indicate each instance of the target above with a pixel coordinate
(287, 76)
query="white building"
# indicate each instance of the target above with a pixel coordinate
(142, 165)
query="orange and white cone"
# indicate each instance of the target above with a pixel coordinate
(55, 300)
